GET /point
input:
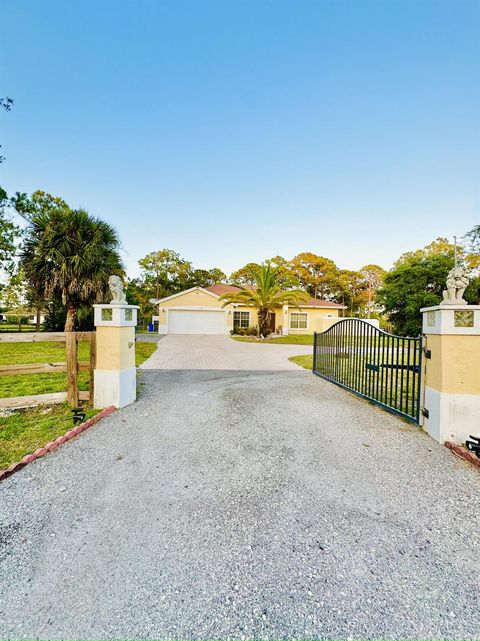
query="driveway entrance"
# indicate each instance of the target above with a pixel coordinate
(242, 505)
(221, 352)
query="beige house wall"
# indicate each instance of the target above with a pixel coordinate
(319, 319)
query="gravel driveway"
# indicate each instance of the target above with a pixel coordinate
(222, 352)
(232, 505)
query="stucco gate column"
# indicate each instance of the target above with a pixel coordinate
(452, 372)
(115, 375)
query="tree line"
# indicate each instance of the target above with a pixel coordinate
(60, 260)
(165, 272)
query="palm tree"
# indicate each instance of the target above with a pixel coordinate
(265, 295)
(71, 254)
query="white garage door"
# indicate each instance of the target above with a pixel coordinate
(195, 322)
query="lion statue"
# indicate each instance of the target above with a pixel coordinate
(457, 282)
(116, 288)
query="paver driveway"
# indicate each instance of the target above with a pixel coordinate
(221, 352)
(267, 505)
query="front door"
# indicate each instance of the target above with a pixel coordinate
(272, 322)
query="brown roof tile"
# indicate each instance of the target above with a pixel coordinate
(223, 288)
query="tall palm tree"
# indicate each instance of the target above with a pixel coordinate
(265, 295)
(72, 254)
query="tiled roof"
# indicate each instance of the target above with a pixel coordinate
(317, 302)
(223, 288)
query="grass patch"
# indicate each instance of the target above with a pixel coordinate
(291, 339)
(29, 384)
(43, 352)
(25, 431)
(13, 327)
(143, 351)
(306, 360)
(49, 352)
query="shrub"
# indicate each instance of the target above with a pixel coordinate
(244, 331)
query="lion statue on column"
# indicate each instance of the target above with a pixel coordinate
(115, 285)
(457, 282)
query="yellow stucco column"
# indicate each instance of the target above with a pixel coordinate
(452, 372)
(115, 375)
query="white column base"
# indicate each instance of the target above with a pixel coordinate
(452, 417)
(115, 387)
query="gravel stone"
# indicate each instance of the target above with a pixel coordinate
(244, 505)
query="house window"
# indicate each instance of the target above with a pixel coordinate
(298, 320)
(241, 319)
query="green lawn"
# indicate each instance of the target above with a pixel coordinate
(48, 352)
(387, 373)
(25, 431)
(13, 327)
(291, 339)
(143, 351)
(306, 360)
(43, 352)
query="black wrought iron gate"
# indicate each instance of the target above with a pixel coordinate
(381, 367)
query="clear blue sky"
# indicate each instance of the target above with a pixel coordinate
(234, 131)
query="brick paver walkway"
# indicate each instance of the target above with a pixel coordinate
(221, 352)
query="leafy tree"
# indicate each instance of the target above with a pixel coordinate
(316, 274)
(349, 288)
(9, 232)
(439, 247)
(286, 274)
(164, 272)
(409, 287)
(138, 293)
(244, 275)
(472, 244)
(68, 253)
(374, 276)
(265, 295)
(206, 277)
(40, 203)
(417, 280)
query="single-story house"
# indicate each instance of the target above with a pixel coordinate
(199, 310)
(10, 317)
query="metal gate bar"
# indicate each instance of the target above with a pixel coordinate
(381, 367)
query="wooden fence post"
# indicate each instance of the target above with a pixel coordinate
(72, 368)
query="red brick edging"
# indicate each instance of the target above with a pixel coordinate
(49, 447)
(461, 451)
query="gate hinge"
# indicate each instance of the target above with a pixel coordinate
(425, 413)
(427, 352)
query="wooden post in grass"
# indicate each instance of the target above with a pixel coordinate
(72, 368)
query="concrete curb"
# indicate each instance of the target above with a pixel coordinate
(461, 451)
(49, 447)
